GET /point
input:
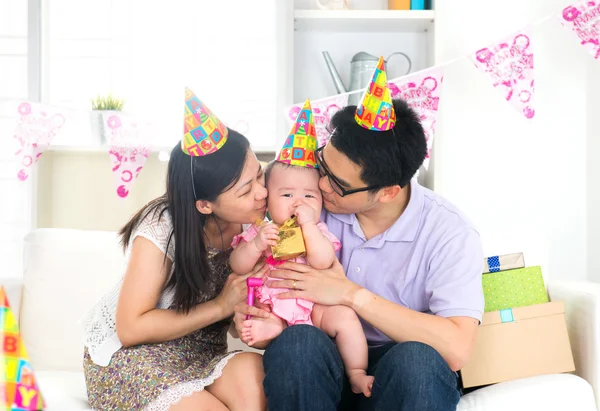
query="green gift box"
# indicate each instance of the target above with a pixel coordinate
(514, 288)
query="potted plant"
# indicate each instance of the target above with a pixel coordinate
(102, 105)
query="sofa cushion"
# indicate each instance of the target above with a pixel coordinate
(66, 391)
(555, 392)
(65, 273)
(63, 390)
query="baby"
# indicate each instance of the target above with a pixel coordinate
(294, 190)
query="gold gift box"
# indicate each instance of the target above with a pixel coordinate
(291, 241)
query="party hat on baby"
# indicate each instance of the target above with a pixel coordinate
(375, 111)
(301, 143)
(203, 132)
(18, 385)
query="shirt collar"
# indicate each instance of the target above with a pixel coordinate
(404, 228)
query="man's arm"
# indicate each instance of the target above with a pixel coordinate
(453, 289)
(455, 295)
(452, 337)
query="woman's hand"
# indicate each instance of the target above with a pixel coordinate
(236, 289)
(326, 287)
(242, 310)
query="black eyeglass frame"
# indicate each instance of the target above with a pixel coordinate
(333, 181)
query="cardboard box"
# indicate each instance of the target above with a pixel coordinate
(514, 288)
(497, 263)
(519, 343)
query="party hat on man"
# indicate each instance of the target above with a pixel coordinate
(301, 143)
(18, 387)
(203, 132)
(375, 111)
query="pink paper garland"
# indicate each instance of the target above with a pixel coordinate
(323, 110)
(127, 150)
(510, 66)
(583, 19)
(37, 125)
(422, 92)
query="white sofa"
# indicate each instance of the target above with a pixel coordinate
(67, 271)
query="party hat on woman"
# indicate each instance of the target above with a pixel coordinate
(375, 111)
(301, 143)
(203, 132)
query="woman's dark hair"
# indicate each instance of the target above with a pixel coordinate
(386, 158)
(213, 174)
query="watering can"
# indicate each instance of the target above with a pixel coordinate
(362, 67)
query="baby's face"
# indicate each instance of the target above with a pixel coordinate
(290, 187)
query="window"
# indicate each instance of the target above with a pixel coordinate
(147, 52)
(15, 220)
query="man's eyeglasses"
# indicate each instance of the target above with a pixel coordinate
(333, 181)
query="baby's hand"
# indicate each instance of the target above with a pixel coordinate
(268, 235)
(305, 214)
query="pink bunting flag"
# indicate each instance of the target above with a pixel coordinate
(128, 150)
(583, 19)
(510, 65)
(323, 110)
(37, 124)
(422, 91)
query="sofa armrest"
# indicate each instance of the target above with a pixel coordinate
(14, 290)
(582, 305)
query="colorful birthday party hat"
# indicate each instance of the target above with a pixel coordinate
(18, 387)
(301, 143)
(203, 132)
(375, 111)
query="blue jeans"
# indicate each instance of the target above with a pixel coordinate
(304, 372)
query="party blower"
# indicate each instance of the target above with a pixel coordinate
(252, 282)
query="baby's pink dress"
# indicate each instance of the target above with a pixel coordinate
(294, 311)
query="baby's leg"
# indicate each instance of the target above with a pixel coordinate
(342, 323)
(257, 330)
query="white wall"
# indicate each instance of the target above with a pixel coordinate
(593, 169)
(77, 190)
(15, 215)
(524, 184)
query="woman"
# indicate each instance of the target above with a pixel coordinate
(158, 341)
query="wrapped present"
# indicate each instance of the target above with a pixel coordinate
(503, 262)
(18, 386)
(514, 288)
(291, 241)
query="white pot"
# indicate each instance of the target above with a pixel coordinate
(99, 134)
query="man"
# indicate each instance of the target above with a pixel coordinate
(410, 267)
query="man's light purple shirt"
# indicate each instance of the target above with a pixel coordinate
(430, 260)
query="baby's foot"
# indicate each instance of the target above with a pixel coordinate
(361, 383)
(258, 330)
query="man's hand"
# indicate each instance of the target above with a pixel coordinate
(327, 287)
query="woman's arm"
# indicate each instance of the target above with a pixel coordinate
(138, 321)
(319, 250)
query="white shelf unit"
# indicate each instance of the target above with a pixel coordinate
(364, 21)
(343, 33)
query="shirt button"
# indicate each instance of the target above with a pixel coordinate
(357, 269)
